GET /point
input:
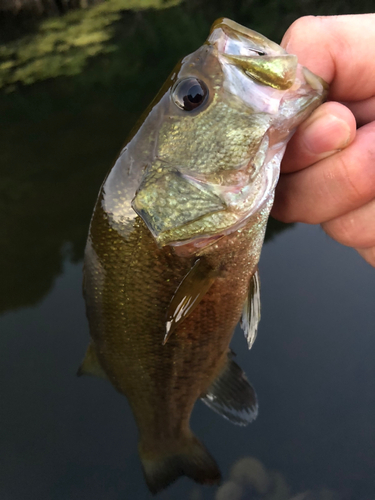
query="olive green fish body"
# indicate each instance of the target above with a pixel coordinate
(128, 299)
(174, 242)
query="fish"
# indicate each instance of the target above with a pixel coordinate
(171, 261)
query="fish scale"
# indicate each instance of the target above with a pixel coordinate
(228, 147)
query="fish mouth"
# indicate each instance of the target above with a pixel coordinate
(261, 73)
(233, 38)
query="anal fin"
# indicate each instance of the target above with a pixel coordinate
(232, 396)
(90, 365)
(251, 311)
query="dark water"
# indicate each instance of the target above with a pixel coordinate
(312, 363)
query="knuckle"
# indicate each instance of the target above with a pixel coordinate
(342, 230)
(354, 229)
(356, 187)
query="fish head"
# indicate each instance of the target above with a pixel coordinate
(227, 114)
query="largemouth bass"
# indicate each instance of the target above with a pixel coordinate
(175, 238)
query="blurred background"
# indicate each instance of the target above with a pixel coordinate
(74, 78)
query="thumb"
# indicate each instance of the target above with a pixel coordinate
(340, 49)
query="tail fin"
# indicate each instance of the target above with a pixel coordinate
(188, 458)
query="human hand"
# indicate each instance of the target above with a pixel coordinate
(328, 171)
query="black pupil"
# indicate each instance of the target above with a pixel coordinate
(195, 94)
(190, 93)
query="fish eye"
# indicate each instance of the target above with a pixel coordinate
(189, 94)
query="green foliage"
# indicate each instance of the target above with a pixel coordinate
(63, 45)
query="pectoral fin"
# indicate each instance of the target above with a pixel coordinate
(188, 295)
(232, 396)
(251, 311)
(91, 365)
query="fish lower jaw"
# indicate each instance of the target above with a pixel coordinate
(195, 245)
(241, 202)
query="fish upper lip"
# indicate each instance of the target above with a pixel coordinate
(233, 36)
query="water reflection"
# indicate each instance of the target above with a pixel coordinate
(63, 45)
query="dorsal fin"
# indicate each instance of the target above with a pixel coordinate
(232, 396)
(90, 365)
(251, 311)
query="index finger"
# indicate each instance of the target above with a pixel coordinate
(339, 49)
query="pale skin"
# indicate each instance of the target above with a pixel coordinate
(328, 172)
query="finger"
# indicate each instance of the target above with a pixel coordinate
(336, 49)
(331, 127)
(333, 186)
(354, 229)
(364, 111)
(368, 254)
